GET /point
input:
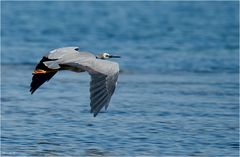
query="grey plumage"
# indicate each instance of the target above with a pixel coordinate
(104, 74)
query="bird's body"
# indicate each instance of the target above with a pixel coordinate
(104, 74)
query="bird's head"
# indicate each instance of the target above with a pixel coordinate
(106, 56)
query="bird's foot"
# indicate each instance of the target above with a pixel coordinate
(39, 71)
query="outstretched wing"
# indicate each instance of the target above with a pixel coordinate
(104, 75)
(101, 88)
(39, 79)
(65, 52)
(49, 62)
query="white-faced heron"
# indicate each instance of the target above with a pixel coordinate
(104, 74)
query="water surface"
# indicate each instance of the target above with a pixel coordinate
(178, 91)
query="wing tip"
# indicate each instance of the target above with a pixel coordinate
(94, 112)
(31, 91)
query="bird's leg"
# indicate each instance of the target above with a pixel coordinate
(40, 71)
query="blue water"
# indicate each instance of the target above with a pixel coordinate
(178, 90)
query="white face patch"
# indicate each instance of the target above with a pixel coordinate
(105, 55)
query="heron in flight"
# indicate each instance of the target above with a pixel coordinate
(104, 74)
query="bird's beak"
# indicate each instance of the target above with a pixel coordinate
(114, 56)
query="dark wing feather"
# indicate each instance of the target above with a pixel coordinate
(102, 88)
(39, 79)
(99, 95)
(102, 85)
(111, 85)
